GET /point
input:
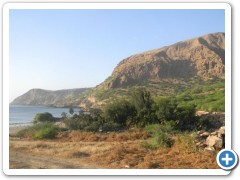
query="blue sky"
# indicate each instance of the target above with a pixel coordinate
(62, 49)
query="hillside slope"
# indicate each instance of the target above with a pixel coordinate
(166, 71)
(203, 57)
(59, 98)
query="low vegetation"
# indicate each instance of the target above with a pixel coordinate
(161, 117)
(39, 131)
(133, 131)
(113, 150)
(43, 117)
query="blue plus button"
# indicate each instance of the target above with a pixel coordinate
(227, 159)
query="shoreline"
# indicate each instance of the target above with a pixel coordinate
(14, 129)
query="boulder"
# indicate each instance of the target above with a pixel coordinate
(221, 131)
(214, 133)
(214, 141)
(208, 148)
(205, 134)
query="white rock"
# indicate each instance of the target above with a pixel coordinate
(221, 131)
(127, 166)
(214, 133)
(205, 134)
(214, 141)
(209, 148)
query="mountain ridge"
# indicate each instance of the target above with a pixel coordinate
(57, 98)
(196, 58)
(203, 56)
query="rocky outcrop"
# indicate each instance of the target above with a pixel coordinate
(59, 98)
(203, 57)
(211, 141)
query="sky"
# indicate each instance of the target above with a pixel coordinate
(64, 49)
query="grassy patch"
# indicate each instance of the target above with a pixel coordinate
(161, 137)
(39, 131)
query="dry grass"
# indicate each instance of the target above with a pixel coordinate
(115, 150)
(76, 136)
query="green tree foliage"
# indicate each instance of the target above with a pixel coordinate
(142, 101)
(43, 117)
(182, 115)
(185, 117)
(120, 112)
(95, 112)
(71, 110)
(165, 109)
(78, 122)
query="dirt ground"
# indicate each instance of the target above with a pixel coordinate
(77, 150)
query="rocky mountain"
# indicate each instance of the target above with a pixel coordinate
(59, 98)
(160, 70)
(202, 57)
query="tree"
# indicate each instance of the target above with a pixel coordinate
(165, 109)
(71, 110)
(64, 115)
(186, 117)
(182, 116)
(141, 98)
(44, 117)
(142, 101)
(120, 111)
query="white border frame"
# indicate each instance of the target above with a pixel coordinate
(9, 6)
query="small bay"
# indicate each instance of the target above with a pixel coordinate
(21, 115)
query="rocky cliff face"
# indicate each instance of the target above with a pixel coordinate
(203, 57)
(59, 98)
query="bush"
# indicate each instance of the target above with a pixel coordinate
(93, 127)
(106, 127)
(165, 109)
(182, 116)
(119, 111)
(39, 131)
(185, 117)
(49, 132)
(161, 136)
(78, 122)
(43, 117)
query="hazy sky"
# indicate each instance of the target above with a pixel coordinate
(62, 49)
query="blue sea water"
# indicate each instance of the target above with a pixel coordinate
(23, 115)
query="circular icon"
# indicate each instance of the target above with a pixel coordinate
(227, 159)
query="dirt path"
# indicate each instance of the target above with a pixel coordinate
(25, 161)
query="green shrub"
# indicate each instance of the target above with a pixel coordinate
(119, 111)
(185, 117)
(48, 132)
(43, 117)
(24, 131)
(78, 122)
(93, 127)
(161, 135)
(39, 131)
(107, 127)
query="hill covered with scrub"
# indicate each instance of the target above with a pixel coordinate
(193, 68)
(59, 98)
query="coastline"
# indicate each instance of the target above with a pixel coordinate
(14, 129)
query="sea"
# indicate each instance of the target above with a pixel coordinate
(21, 115)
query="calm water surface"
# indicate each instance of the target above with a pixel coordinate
(24, 115)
